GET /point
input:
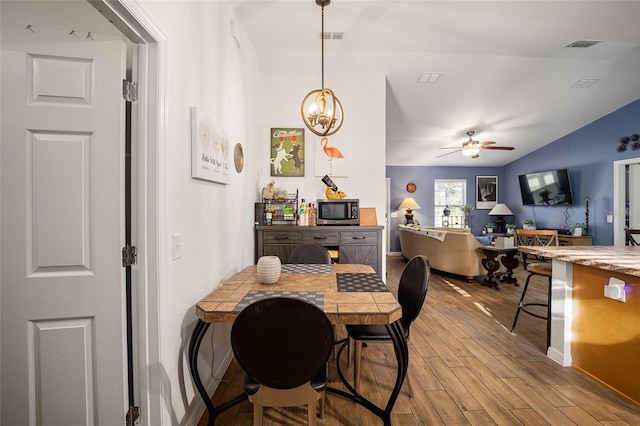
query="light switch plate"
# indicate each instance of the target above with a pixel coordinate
(176, 246)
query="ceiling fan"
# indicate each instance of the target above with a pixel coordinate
(472, 148)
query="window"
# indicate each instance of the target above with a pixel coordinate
(450, 194)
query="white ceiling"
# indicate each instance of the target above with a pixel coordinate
(506, 72)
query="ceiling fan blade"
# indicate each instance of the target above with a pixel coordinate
(487, 143)
(449, 147)
(503, 148)
(442, 155)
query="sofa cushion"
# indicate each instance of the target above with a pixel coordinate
(485, 241)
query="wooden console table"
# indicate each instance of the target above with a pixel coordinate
(355, 244)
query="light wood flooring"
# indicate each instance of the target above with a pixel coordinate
(465, 368)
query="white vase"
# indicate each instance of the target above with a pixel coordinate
(577, 232)
(269, 268)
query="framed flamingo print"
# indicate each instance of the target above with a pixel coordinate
(286, 147)
(332, 155)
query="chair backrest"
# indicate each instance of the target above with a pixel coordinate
(535, 237)
(412, 288)
(629, 236)
(282, 342)
(310, 253)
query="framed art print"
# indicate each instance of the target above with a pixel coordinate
(286, 147)
(486, 191)
(209, 149)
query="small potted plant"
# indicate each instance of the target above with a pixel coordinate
(528, 224)
(511, 228)
(578, 228)
(466, 209)
(490, 227)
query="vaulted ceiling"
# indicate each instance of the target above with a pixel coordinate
(504, 69)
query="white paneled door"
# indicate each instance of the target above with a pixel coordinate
(62, 227)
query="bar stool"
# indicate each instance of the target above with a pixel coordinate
(540, 267)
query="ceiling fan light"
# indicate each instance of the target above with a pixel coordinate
(471, 149)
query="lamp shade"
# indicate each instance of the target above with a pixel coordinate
(500, 210)
(409, 204)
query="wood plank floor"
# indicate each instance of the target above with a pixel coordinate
(466, 368)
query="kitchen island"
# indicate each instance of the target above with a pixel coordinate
(596, 334)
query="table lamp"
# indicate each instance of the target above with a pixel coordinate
(500, 210)
(409, 204)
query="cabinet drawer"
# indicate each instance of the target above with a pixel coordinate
(321, 237)
(282, 237)
(358, 237)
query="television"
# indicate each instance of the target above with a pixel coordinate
(550, 188)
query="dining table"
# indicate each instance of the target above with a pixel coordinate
(349, 294)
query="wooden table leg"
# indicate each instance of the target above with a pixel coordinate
(510, 262)
(491, 264)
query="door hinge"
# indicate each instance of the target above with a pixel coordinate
(129, 91)
(133, 416)
(129, 256)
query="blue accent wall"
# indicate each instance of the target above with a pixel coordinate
(588, 154)
(424, 178)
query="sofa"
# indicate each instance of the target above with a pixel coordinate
(452, 250)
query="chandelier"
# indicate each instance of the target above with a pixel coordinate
(321, 110)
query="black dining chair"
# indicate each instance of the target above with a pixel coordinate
(538, 267)
(412, 292)
(631, 235)
(283, 346)
(310, 253)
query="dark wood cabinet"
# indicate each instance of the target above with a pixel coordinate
(570, 240)
(354, 244)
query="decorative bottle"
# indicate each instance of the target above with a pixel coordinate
(313, 215)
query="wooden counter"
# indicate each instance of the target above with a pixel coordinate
(598, 335)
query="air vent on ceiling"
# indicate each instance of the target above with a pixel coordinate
(429, 77)
(336, 35)
(584, 83)
(582, 43)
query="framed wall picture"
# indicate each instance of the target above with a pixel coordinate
(286, 152)
(486, 191)
(209, 149)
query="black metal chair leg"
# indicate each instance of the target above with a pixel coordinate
(549, 315)
(520, 304)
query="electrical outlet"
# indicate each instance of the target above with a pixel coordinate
(176, 246)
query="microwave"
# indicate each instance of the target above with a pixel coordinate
(338, 212)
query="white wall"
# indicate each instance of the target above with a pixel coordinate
(207, 70)
(216, 221)
(363, 99)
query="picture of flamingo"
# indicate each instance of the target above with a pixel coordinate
(331, 152)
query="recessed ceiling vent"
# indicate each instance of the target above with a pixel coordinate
(582, 43)
(585, 83)
(336, 35)
(429, 77)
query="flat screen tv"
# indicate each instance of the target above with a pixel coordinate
(550, 188)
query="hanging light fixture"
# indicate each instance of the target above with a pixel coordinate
(321, 110)
(471, 149)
